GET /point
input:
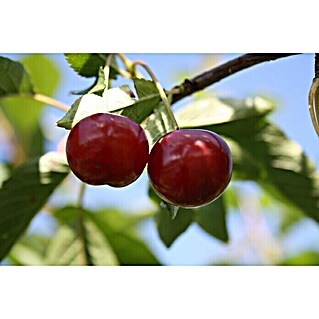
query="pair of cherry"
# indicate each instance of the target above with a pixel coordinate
(186, 167)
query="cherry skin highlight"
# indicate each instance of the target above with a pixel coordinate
(107, 149)
(190, 168)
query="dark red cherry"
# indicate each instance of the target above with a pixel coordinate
(107, 149)
(190, 167)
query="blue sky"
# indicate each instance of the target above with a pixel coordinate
(285, 81)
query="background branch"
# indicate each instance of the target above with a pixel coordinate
(216, 74)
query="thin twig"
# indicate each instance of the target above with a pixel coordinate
(50, 101)
(218, 73)
(80, 227)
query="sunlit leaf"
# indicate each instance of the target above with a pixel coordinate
(118, 230)
(67, 247)
(29, 250)
(228, 117)
(89, 104)
(22, 254)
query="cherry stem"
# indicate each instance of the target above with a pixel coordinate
(107, 78)
(107, 70)
(80, 226)
(129, 65)
(81, 195)
(127, 62)
(160, 91)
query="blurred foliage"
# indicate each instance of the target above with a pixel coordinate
(24, 114)
(307, 258)
(287, 180)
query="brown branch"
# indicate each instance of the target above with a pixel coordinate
(202, 81)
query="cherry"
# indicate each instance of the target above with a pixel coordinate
(190, 167)
(107, 149)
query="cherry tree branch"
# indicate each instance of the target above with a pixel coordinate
(202, 81)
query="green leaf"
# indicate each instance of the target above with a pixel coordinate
(24, 193)
(169, 229)
(67, 120)
(114, 218)
(118, 230)
(67, 247)
(283, 169)
(158, 124)
(145, 88)
(29, 251)
(97, 87)
(122, 221)
(129, 249)
(89, 104)
(88, 64)
(212, 219)
(14, 79)
(148, 100)
(310, 258)
(142, 108)
(36, 242)
(83, 242)
(228, 117)
(172, 209)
